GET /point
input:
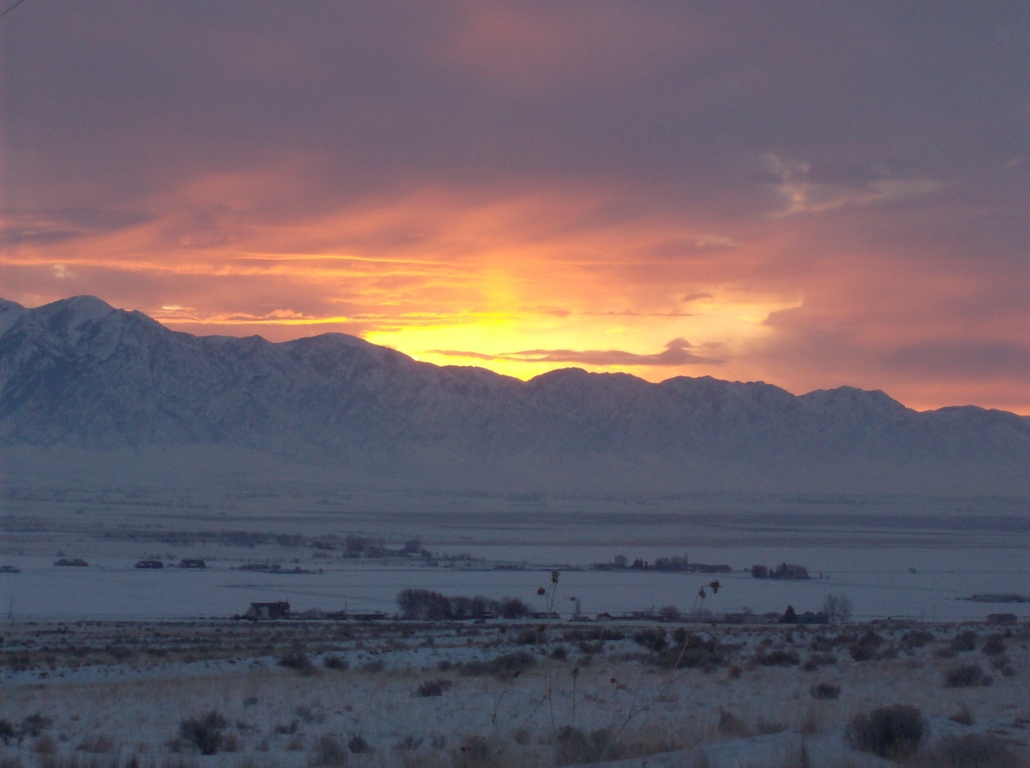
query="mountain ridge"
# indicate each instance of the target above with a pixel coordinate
(80, 374)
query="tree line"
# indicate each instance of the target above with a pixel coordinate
(424, 605)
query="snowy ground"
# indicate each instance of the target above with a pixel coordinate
(462, 694)
(897, 557)
(115, 660)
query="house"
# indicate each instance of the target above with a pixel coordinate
(266, 611)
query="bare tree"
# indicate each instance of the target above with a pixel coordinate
(837, 608)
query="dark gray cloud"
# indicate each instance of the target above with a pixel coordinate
(44, 226)
(135, 97)
(676, 353)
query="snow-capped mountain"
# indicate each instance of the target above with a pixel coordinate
(79, 374)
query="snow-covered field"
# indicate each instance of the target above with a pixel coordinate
(120, 662)
(896, 557)
(493, 694)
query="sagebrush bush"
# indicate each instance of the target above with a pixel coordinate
(994, 646)
(893, 732)
(297, 660)
(777, 658)
(328, 751)
(35, 724)
(434, 687)
(204, 733)
(965, 676)
(916, 638)
(504, 668)
(336, 663)
(358, 745)
(964, 641)
(652, 638)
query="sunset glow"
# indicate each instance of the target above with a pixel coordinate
(664, 191)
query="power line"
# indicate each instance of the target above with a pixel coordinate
(11, 8)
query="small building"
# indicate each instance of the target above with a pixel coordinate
(150, 564)
(268, 611)
(189, 563)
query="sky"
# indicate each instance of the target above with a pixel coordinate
(807, 194)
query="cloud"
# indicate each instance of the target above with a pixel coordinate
(501, 175)
(802, 194)
(677, 352)
(51, 226)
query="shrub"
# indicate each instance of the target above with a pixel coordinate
(434, 687)
(652, 638)
(504, 668)
(298, 660)
(575, 747)
(916, 638)
(531, 636)
(358, 745)
(777, 658)
(816, 660)
(965, 641)
(891, 732)
(408, 744)
(865, 649)
(474, 752)
(966, 676)
(204, 733)
(6, 732)
(694, 652)
(328, 751)
(824, 691)
(335, 662)
(35, 724)
(994, 646)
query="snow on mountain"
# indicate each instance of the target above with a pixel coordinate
(79, 374)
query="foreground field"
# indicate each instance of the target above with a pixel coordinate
(508, 694)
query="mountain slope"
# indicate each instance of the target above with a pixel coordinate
(80, 374)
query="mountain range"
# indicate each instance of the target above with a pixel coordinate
(79, 377)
